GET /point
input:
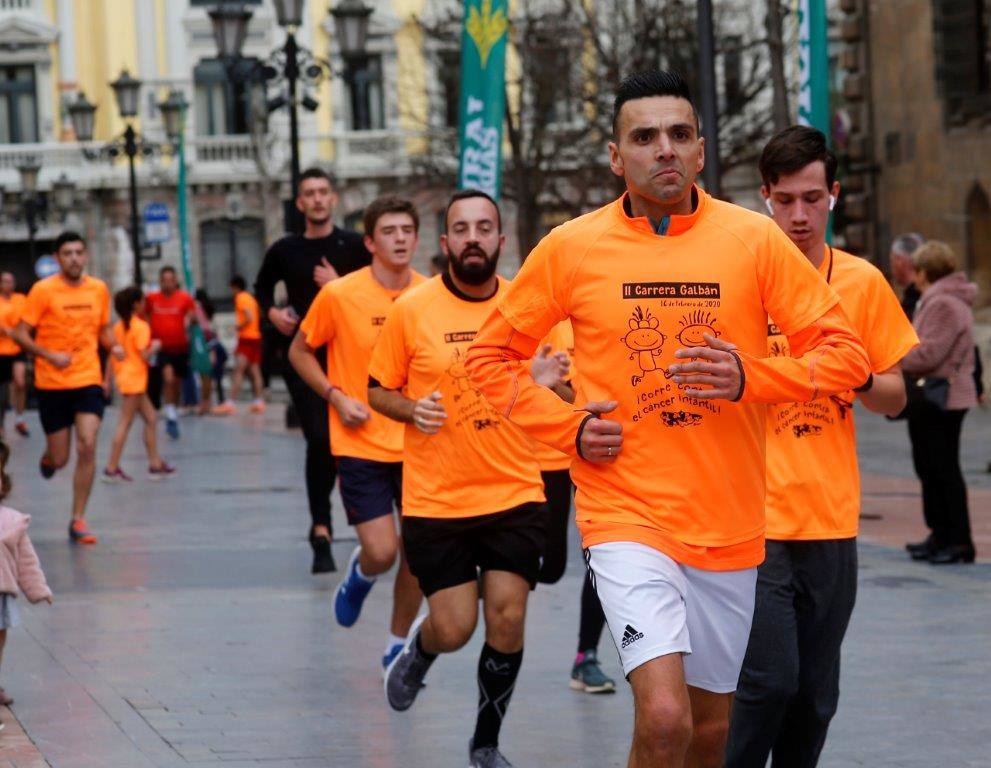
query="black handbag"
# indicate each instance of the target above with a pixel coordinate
(921, 390)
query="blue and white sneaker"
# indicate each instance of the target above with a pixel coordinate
(393, 651)
(172, 428)
(351, 592)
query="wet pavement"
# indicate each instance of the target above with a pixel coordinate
(193, 634)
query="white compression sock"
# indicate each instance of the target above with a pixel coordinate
(170, 412)
(392, 641)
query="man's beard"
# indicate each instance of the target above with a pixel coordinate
(474, 273)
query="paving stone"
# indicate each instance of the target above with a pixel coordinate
(193, 634)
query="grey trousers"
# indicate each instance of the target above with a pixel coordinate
(790, 682)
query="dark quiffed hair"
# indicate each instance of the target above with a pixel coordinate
(69, 236)
(467, 194)
(791, 150)
(124, 301)
(388, 204)
(166, 269)
(653, 82)
(316, 173)
(238, 282)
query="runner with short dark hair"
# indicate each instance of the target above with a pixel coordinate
(347, 316)
(66, 319)
(305, 263)
(472, 495)
(668, 291)
(170, 312)
(806, 586)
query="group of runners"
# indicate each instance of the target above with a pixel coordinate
(79, 354)
(689, 365)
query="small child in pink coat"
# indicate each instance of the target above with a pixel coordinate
(20, 570)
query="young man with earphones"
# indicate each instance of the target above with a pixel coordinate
(806, 587)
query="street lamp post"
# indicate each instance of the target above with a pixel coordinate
(230, 28)
(29, 170)
(131, 144)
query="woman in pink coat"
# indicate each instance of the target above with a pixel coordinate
(20, 570)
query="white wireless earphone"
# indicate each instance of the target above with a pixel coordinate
(770, 207)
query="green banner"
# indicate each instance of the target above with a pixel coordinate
(813, 43)
(198, 353)
(483, 94)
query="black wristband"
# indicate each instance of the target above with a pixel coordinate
(578, 436)
(866, 386)
(743, 376)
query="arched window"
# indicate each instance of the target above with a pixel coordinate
(978, 212)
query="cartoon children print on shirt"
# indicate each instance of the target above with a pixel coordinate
(459, 374)
(694, 327)
(645, 341)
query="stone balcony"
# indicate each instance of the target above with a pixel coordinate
(213, 159)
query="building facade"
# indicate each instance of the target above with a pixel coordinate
(385, 122)
(918, 87)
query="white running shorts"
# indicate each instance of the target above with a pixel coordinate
(655, 607)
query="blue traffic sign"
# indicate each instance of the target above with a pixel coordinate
(46, 266)
(156, 223)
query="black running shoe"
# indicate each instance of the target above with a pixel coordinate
(323, 558)
(46, 466)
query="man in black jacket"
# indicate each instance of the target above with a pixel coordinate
(305, 263)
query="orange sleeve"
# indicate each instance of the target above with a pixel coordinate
(34, 305)
(142, 336)
(890, 336)
(318, 325)
(827, 355)
(105, 310)
(827, 358)
(498, 361)
(391, 356)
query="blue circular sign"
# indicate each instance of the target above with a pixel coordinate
(46, 266)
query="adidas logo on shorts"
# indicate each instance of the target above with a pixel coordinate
(630, 636)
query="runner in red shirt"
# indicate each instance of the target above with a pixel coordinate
(170, 311)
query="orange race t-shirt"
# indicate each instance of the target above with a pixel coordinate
(245, 306)
(68, 318)
(478, 463)
(167, 317)
(562, 339)
(690, 478)
(347, 315)
(813, 480)
(10, 316)
(131, 373)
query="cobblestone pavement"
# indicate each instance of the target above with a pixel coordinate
(193, 633)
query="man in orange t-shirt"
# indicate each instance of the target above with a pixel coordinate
(248, 355)
(472, 496)
(13, 387)
(668, 292)
(807, 584)
(347, 316)
(69, 317)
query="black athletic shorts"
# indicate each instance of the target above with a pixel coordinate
(178, 360)
(7, 367)
(369, 489)
(57, 408)
(444, 553)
